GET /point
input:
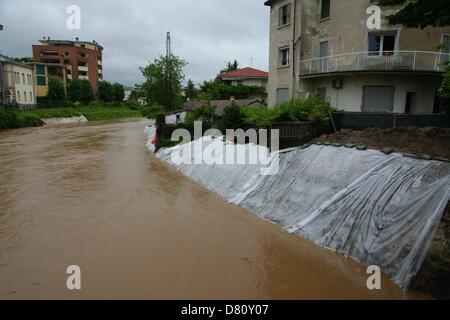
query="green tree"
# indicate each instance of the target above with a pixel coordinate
(233, 117)
(56, 91)
(230, 66)
(80, 90)
(105, 91)
(163, 82)
(212, 90)
(419, 13)
(118, 92)
(191, 90)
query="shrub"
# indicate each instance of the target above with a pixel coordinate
(155, 112)
(8, 119)
(232, 117)
(29, 120)
(56, 91)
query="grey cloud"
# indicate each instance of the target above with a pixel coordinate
(205, 33)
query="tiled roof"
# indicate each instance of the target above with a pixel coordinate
(245, 73)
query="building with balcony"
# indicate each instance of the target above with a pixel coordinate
(45, 71)
(83, 60)
(16, 83)
(324, 47)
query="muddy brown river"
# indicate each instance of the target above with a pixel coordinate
(91, 195)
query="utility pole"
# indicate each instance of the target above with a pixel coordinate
(168, 84)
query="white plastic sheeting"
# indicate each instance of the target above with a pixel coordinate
(379, 209)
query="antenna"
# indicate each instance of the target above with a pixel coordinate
(251, 62)
(168, 46)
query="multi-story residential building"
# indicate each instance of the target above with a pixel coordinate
(17, 82)
(325, 47)
(44, 71)
(82, 59)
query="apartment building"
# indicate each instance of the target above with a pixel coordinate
(325, 47)
(44, 71)
(83, 60)
(17, 83)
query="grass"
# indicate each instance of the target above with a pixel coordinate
(10, 119)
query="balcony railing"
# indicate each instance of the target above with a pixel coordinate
(420, 61)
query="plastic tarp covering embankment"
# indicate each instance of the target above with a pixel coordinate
(378, 209)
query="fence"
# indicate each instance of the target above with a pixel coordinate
(293, 134)
(363, 120)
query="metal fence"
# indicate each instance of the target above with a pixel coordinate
(369, 61)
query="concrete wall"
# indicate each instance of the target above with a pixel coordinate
(347, 32)
(172, 119)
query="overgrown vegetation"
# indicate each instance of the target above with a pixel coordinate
(212, 90)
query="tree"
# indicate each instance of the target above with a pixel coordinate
(230, 66)
(118, 92)
(105, 91)
(419, 13)
(232, 118)
(163, 82)
(191, 90)
(212, 90)
(80, 90)
(56, 91)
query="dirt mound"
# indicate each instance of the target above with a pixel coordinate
(431, 141)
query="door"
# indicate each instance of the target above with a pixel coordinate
(324, 55)
(410, 106)
(378, 99)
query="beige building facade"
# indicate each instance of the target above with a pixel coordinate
(326, 47)
(18, 85)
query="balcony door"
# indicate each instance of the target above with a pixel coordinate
(324, 56)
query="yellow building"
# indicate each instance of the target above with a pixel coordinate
(44, 71)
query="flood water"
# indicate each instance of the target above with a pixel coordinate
(91, 195)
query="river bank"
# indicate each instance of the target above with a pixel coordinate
(91, 195)
(13, 119)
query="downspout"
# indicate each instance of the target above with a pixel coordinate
(293, 48)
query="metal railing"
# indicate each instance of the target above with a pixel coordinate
(373, 61)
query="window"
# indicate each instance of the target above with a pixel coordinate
(31, 96)
(325, 9)
(445, 49)
(285, 15)
(381, 44)
(18, 95)
(282, 95)
(283, 57)
(410, 102)
(23, 78)
(322, 92)
(41, 81)
(40, 69)
(67, 54)
(25, 96)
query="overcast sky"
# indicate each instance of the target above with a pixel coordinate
(205, 33)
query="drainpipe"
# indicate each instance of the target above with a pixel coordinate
(294, 16)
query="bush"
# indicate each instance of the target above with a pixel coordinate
(134, 105)
(8, 119)
(56, 91)
(80, 90)
(29, 120)
(313, 108)
(155, 112)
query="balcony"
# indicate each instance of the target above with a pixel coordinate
(392, 61)
(83, 68)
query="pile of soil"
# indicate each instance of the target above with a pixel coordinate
(434, 276)
(430, 141)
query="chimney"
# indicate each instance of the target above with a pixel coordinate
(76, 39)
(48, 38)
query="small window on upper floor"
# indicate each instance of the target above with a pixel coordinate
(285, 15)
(325, 9)
(283, 57)
(381, 44)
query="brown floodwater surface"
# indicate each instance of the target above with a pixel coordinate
(91, 195)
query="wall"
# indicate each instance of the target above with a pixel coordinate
(21, 86)
(350, 97)
(172, 119)
(346, 32)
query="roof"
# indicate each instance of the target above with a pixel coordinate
(7, 60)
(268, 3)
(220, 105)
(69, 42)
(245, 73)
